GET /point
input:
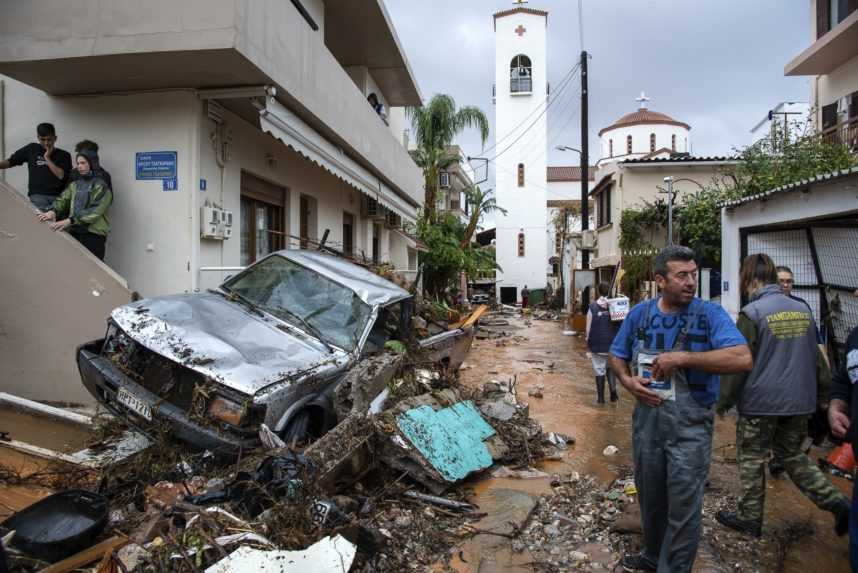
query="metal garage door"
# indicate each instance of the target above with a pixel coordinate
(824, 259)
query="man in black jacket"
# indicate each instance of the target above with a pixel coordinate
(843, 408)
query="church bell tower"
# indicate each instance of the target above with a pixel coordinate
(521, 89)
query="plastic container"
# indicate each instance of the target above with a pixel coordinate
(59, 525)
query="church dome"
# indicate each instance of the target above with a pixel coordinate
(644, 116)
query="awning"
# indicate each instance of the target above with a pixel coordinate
(412, 242)
(294, 132)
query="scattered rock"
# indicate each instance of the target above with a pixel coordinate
(610, 450)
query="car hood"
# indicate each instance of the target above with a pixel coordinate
(224, 341)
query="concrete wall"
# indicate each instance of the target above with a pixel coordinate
(526, 206)
(254, 42)
(151, 236)
(634, 185)
(822, 201)
(56, 295)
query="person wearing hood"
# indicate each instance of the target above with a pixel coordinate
(789, 381)
(82, 208)
(600, 333)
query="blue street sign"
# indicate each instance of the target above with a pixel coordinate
(156, 165)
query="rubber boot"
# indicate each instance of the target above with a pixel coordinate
(612, 386)
(600, 389)
(841, 519)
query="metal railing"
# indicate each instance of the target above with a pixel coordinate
(845, 133)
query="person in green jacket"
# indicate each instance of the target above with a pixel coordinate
(82, 208)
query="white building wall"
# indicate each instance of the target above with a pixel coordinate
(526, 206)
(150, 237)
(154, 241)
(822, 201)
(640, 140)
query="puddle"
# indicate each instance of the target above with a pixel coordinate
(57, 435)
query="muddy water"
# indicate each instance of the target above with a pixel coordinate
(560, 365)
(42, 431)
(39, 431)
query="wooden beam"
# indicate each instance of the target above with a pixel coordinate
(86, 556)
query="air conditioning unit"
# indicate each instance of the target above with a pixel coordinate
(588, 240)
(444, 180)
(210, 223)
(393, 220)
(373, 210)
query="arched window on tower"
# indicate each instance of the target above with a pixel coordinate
(521, 174)
(673, 142)
(610, 148)
(520, 75)
(628, 145)
(521, 244)
(651, 142)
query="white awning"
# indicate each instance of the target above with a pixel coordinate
(294, 132)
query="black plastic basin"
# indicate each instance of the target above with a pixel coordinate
(59, 525)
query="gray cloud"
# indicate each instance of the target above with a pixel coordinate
(715, 64)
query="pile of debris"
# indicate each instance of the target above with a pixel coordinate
(379, 490)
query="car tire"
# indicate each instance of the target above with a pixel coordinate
(300, 428)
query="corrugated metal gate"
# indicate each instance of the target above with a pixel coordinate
(823, 256)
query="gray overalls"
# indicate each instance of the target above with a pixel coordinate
(672, 444)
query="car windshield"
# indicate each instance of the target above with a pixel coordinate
(298, 295)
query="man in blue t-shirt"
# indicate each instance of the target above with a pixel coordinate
(668, 354)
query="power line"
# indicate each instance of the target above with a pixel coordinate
(563, 83)
(517, 139)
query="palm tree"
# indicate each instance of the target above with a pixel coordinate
(435, 125)
(482, 204)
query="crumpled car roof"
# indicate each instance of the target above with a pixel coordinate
(369, 287)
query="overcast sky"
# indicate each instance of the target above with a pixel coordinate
(714, 64)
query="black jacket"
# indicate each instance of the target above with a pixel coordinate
(845, 383)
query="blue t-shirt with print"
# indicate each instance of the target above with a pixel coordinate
(711, 329)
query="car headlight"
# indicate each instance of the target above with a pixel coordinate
(227, 411)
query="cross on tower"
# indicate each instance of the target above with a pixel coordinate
(520, 2)
(643, 99)
(520, 30)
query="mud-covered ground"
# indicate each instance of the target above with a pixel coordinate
(572, 526)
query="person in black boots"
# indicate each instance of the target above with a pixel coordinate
(600, 333)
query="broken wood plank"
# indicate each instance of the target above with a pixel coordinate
(44, 410)
(86, 556)
(471, 318)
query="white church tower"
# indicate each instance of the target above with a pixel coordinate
(521, 140)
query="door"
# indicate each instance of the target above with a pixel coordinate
(376, 243)
(508, 295)
(262, 218)
(305, 222)
(348, 234)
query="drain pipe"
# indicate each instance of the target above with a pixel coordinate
(2, 127)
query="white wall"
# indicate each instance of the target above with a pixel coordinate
(526, 207)
(640, 140)
(824, 200)
(150, 237)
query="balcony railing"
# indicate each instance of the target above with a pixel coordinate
(846, 133)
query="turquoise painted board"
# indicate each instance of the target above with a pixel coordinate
(451, 439)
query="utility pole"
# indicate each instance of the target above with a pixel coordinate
(669, 181)
(585, 160)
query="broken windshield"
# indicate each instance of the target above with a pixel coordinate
(297, 295)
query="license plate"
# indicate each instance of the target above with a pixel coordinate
(134, 403)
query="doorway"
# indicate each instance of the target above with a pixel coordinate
(262, 218)
(509, 295)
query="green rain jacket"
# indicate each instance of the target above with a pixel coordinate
(85, 201)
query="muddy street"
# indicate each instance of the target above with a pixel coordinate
(797, 536)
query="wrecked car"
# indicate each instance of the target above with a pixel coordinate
(269, 345)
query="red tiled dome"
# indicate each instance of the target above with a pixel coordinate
(644, 116)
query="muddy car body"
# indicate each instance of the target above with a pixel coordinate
(268, 346)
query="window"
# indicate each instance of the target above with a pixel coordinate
(628, 145)
(610, 148)
(520, 75)
(558, 242)
(262, 218)
(673, 142)
(521, 174)
(603, 210)
(829, 115)
(829, 13)
(521, 244)
(651, 142)
(348, 234)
